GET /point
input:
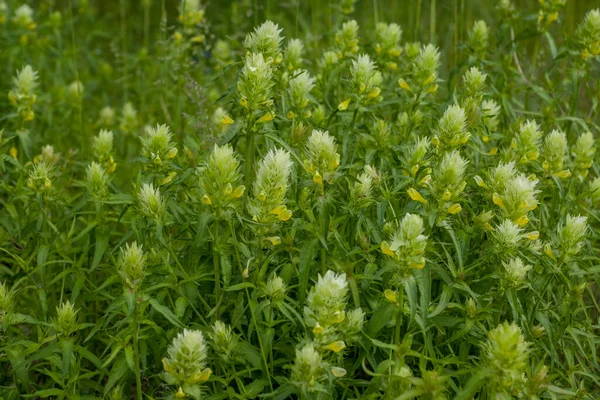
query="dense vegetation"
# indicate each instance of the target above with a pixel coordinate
(239, 199)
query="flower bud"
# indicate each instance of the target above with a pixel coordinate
(225, 341)
(346, 39)
(150, 201)
(266, 40)
(96, 181)
(66, 319)
(515, 273)
(506, 353)
(185, 362)
(308, 369)
(275, 289)
(270, 187)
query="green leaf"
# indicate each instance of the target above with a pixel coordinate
(166, 312)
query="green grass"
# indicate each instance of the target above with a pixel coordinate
(193, 205)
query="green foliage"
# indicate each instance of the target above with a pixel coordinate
(195, 204)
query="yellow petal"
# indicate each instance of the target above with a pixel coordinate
(336, 346)
(416, 196)
(338, 372)
(291, 115)
(318, 329)
(493, 151)
(373, 94)
(454, 209)
(390, 296)
(563, 174)
(275, 240)
(548, 251)
(385, 248)
(180, 394)
(238, 192)
(432, 88)
(206, 200)
(226, 120)
(532, 235)
(317, 178)
(480, 182)
(338, 317)
(13, 152)
(266, 118)
(447, 195)
(343, 106)
(418, 265)
(286, 215)
(497, 200)
(522, 220)
(402, 83)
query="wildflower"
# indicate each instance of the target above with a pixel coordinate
(365, 78)
(571, 234)
(472, 94)
(157, 144)
(346, 39)
(518, 197)
(66, 319)
(265, 40)
(425, 65)
(416, 196)
(225, 341)
(22, 95)
(150, 201)
(308, 369)
(583, 152)
(452, 128)
(292, 57)
(191, 13)
(132, 265)
(40, 177)
(448, 178)
(479, 37)
(96, 181)
(490, 111)
(129, 118)
(588, 34)
(515, 273)
(347, 6)
(270, 187)
(321, 155)
(526, 142)
(507, 236)
(186, 361)
(506, 353)
(106, 116)
(256, 83)
(408, 242)
(500, 175)
(275, 289)
(554, 151)
(75, 91)
(299, 90)
(102, 145)
(23, 17)
(220, 178)
(327, 299)
(387, 38)
(362, 190)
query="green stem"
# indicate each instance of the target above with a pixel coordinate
(217, 269)
(249, 162)
(325, 232)
(136, 329)
(399, 317)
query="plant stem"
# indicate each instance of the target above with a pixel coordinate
(249, 162)
(399, 317)
(136, 329)
(217, 269)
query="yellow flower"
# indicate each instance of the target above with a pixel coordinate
(493, 151)
(563, 174)
(336, 346)
(317, 178)
(416, 196)
(343, 106)
(169, 178)
(497, 200)
(480, 182)
(206, 200)
(291, 115)
(266, 118)
(522, 220)
(238, 192)
(13, 152)
(374, 94)
(402, 83)
(385, 248)
(226, 120)
(282, 212)
(390, 296)
(275, 240)
(532, 235)
(432, 88)
(318, 329)
(180, 394)
(338, 372)
(454, 209)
